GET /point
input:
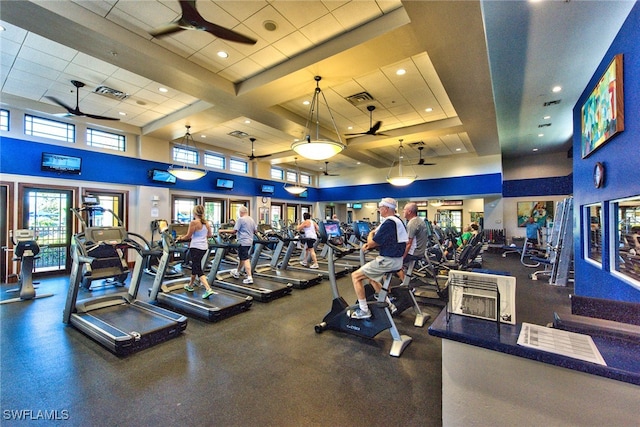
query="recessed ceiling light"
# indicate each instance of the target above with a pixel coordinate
(349, 127)
(458, 149)
(246, 122)
(540, 135)
(163, 89)
(556, 89)
(535, 149)
(306, 103)
(401, 72)
(223, 54)
(122, 113)
(2, 28)
(203, 136)
(428, 110)
(546, 117)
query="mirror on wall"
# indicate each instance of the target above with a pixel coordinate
(593, 223)
(625, 238)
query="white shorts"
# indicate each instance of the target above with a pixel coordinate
(376, 268)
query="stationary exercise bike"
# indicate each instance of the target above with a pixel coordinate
(25, 251)
(338, 320)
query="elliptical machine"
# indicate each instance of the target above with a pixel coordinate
(25, 250)
(337, 318)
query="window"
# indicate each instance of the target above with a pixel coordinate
(594, 223)
(4, 120)
(277, 173)
(37, 126)
(216, 161)
(100, 139)
(185, 155)
(183, 209)
(625, 239)
(292, 176)
(305, 179)
(236, 165)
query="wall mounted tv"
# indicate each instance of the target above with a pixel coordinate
(225, 184)
(268, 189)
(159, 175)
(61, 163)
(304, 194)
(357, 206)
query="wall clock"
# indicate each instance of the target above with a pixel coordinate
(598, 175)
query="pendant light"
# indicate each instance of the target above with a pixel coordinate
(313, 146)
(184, 171)
(399, 175)
(297, 188)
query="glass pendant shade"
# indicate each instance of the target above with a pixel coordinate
(183, 171)
(399, 175)
(313, 146)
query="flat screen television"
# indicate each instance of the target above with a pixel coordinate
(304, 194)
(268, 189)
(357, 206)
(61, 163)
(225, 184)
(159, 175)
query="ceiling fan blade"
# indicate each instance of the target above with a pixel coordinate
(165, 30)
(73, 111)
(190, 19)
(375, 128)
(226, 34)
(93, 116)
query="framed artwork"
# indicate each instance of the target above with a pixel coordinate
(542, 212)
(603, 111)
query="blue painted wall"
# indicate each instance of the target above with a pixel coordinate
(621, 157)
(23, 158)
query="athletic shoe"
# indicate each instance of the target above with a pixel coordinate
(359, 313)
(234, 274)
(392, 308)
(303, 263)
(208, 293)
(188, 288)
(314, 266)
(248, 281)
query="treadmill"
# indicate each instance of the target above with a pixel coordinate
(171, 293)
(278, 271)
(341, 269)
(262, 289)
(118, 321)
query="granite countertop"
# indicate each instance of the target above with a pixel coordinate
(622, 357)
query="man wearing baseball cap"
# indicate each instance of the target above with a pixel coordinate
(390, 238)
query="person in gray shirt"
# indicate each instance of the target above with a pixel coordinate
(244, 229)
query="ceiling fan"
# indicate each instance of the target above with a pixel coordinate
(76, 111)
(253, 150)
(373, 128)
(190, 19)
(326, 170)
(421, 160)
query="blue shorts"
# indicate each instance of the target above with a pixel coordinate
(376, 268)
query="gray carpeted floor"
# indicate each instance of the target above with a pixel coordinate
(264, 367)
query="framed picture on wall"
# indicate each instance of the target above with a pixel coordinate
(542, 212)
(603, 111)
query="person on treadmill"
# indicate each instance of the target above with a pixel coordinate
(244, 229)
(310, 229)
(199, 232)
(390, 237)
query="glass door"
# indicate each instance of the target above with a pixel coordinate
(47, 211)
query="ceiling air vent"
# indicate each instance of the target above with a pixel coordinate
(544, 125)
(238, 134)
(111, 93)
(548, 103)
(359, 98)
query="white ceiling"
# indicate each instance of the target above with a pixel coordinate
(484, 69)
